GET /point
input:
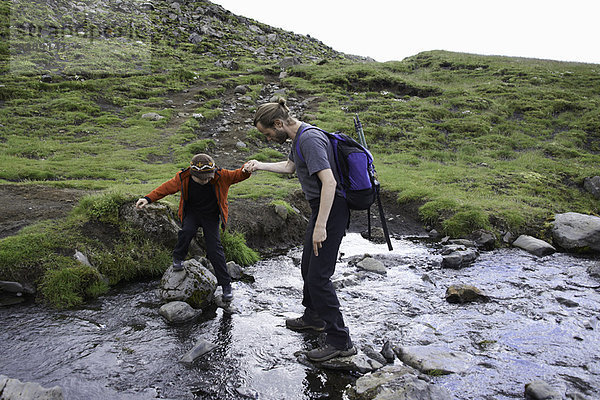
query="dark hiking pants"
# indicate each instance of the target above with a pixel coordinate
(319, 296)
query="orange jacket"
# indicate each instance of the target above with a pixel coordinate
(180, 182)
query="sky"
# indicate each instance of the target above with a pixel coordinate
(385, 30)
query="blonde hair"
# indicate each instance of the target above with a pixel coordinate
(269, 112)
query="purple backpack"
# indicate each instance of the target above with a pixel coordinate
(355, 168)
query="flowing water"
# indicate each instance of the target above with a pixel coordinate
(541, 323)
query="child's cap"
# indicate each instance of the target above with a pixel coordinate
(203, 165)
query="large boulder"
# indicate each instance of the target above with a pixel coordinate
(534, 246)
(159, 222)
(396, 382)
(13, 389)
(577, 232)
(195, 285)
(434, 359)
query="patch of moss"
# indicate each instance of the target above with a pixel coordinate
(70, 286)
(236, 249)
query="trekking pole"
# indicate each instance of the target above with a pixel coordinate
(363, 142)
(360, 132)
(383, 221)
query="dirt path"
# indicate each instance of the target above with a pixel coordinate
(23, 205)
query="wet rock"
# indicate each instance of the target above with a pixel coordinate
(576, 396)
(567, 302)
(12, 293)
(194, 285)
(346, 281)
(235, 270)
(591, 324)
(464, 294)
(396, 382)
(377, 235)
(592, 185)
(200, 348)
(372, 265)
(458, 256)
(178, 312)
(15, 288)
(508, 238)
(375, 355)
(14, 389)
(534, 246)
(138, 323)
(463, 242)
(152, 116)
(484, 240)
(577, 232)
(388, 352)
(594, 271)
(540, 390)
(357, 363)
(432, 359)
(434, 234)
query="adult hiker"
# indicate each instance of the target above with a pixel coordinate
(203, 203)
(326, 228)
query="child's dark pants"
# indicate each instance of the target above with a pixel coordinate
(214, 249)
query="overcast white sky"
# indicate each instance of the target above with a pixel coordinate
(566, 30)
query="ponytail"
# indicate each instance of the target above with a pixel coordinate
(269, 112)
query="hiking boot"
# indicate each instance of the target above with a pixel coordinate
(177, 265)
(300, 324)
(227, 294)
(327, 352)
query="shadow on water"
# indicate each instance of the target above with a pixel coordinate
(541, 323)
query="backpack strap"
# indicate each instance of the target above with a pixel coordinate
(333, 140)
(298, 139)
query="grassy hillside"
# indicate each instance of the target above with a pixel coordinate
(477, 142)
(482, 142)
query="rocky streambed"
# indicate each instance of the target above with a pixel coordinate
(535, 319)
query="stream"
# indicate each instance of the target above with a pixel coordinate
(542, 322)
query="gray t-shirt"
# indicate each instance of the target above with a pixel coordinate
(317, 153)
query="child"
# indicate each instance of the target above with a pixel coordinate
(203, 204)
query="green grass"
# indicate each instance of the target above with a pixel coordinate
(42, 254)
(236, 249)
